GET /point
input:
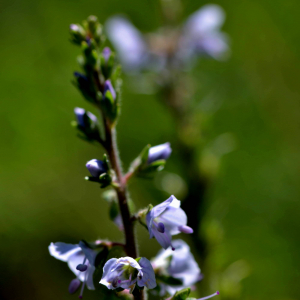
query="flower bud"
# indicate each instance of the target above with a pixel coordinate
(108, 87)
(84, 119)
(160, 152)
(96, 167)
(78, 34)
(74, 285)
(106, 53)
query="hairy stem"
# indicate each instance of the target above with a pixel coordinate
(128, 223)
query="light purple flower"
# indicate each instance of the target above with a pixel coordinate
(178, 264)
(167, 219)
(80, 117)
(158, 152)
(202, 35)
(126, 272)
(128, 41)
(96, 167)
(77, 256)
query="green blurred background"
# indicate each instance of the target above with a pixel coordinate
(253, 205)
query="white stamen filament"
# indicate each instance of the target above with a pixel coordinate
(204, 298)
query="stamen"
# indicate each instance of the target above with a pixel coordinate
(81, 268)
(215, 294)
(185, 229)
(161, 227)
(82, 287)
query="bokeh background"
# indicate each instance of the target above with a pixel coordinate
(252, 207)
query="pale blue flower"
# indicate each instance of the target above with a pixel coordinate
(159, 152)
(81, 261)
(165, 220)
(129, 42)
(179, 264)
(126, 272)
(96, 167)
(202, 35)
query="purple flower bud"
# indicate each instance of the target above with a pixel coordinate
(108, 87)
(74, 285)
(106, 53)
(158, 152)
(81, 119)
(96, 167)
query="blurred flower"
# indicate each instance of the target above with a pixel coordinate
(165, 220)
(84, 119)
(128, 41)
(178, 264)
(199, 35)
(202, 35)
(96, 167)
(159, 152)
(125, 272)
(81, 261)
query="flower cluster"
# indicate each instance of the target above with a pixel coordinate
(117, 266)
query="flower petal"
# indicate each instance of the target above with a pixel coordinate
(148, 278)
(128, 41)
(172, 218)
(164, 239)
(74, 260)
(62, 251)
(89, 280)
(160, 208)
(88, 252)
(107, 275)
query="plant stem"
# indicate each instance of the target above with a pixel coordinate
(128, 223)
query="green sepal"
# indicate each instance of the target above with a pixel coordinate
(113, 210)
(86, 88)
(115, 76)
(95, 29)
(110, 107)
(140, 161)
(150, 170)
(105, 161)
(90, 54)
(119, 289)
(105, 180)
(107, 66)
(78, 36)
(182, 294)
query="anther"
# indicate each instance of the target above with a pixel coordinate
(161, 227)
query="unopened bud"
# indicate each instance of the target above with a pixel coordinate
(160, 152)
(96, 167)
